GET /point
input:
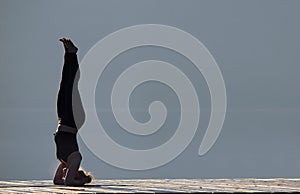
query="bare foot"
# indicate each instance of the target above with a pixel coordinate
(69, 46)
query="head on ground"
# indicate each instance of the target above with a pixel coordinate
(86, 176)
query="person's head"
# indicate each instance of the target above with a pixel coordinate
(86, 176)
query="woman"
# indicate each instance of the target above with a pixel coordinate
(68, 101)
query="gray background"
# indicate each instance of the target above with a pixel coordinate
(255, 43)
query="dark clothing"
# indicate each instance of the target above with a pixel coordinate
(68, 105)
(69, 81)
(66, 144)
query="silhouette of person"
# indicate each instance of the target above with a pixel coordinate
(68, 105)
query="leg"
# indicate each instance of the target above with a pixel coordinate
(66, 98)
(60, 174)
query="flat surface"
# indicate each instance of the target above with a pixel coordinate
(157, 185)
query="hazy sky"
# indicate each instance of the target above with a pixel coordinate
(255, 43)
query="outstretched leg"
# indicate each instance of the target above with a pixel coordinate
(68, 98)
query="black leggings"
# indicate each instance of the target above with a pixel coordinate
(68, 99)
(68, 105)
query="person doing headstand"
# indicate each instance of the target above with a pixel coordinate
(68, 104)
